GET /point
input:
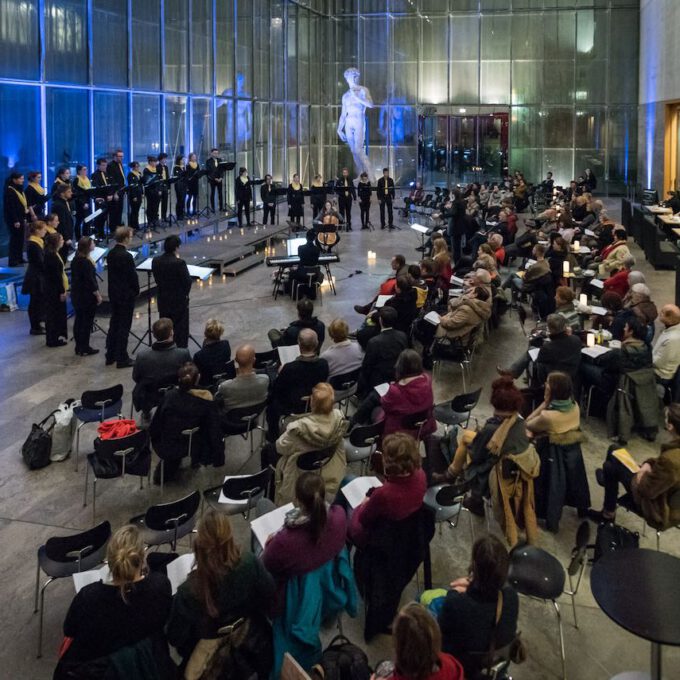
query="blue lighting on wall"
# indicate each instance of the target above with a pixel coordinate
(650, 125)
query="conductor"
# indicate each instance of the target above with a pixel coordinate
(174, 284)
(123, 289)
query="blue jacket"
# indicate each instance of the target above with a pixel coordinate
(311, 599)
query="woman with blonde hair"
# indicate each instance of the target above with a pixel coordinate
(131, 606)
(227, 588)
(321, 430)
(442, 260)
(215, 353)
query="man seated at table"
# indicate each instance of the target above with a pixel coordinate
(619, 282)
(160, 362)
(306, 319)
(637, 305)
(654, 489)
(534, 275)
(296, 380)
(611, 258)
(666, 352)
(246, 389)
(560, 352)
(564, 306)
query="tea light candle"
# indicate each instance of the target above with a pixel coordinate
(371, 255)
(583, 299)
(590, 340)
(577, 246)
(565, 267)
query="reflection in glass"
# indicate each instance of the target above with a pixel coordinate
(111, 130)
(109, 57)
(224, 52)
(146, 36)
(176, 46)
(19, 44)
(66, 57)
(201, 46)
(67, 128)
(146, 126)
(175, 126)
(201, 117)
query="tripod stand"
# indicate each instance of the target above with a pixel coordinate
(147, 332)
(204, 212)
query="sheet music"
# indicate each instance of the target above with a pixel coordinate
(433, 318)
(419, 228)
(382, 389)
(96, 213)
(596, 351)
(597, 283)
(179, 569)
(202, 273)
(263, 527)
(533, 353)
(456, 281)
(598, 311)
(356, 490)
(84, 578)
(288, 353)
(96, 254)
(382, 299)
(145, 266)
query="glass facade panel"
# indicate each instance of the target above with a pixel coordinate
(244, 134)
(111, 123)
(19, 40)
(175, 126)
(244, 48)
(201, 116)
(261, 23)
(66, 58)
(146, 126)
(278, 142)
(176, 46)
(110, 57)
(67, 129)
(224, 48)
(201, 46)
(261, 135)
(146, 37)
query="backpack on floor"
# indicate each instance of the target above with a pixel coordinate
(342, 660)
(611, 537)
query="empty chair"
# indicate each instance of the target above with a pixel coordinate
(267, 359)
(345, 386)
(168, 522)
(577, 564)
(243, 421)
(114, 458)
(536, 573)
(362, 443)
(96, 406)
(63, 556)
(446, 503)
(240, 494)
(458, 410)
(455, 352)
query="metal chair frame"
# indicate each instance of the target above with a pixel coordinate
(261, 482)
(250, 415)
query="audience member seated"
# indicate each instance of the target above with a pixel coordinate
(312, 534)
(419, 285)
(129, 611)
(410, 394)
(323, 429)
(184, 408)
(156, 364)
(612, 257)
(381, 352)
(400, 495)
(479, 612)
(418, 648)
(344, 355)
(496, 243)
(296, 380)
(634, 354)
(398, 265)
(248, 388)
(226, 586)
(558, 413)
(308, 253)
(465, 313)
(638, 305)
(654, 489)
(215, 353)
(564, 306)
(618, 282)
(666, 352)
(556, 254)
(306, 319)
(534, 275)
(523, 245)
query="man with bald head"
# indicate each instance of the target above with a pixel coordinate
(666, 352)
(247, 388)
(296, 380)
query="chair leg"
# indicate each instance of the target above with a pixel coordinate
(42, 611)
(573, 600)
(658, 540)
(78, 444)
(462, 374)
(87, 474)
(94, 501)
(162, 463)
(37, 587)
(562, 654)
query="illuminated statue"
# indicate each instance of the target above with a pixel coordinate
(352, 123)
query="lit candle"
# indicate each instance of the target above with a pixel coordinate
(583, 299)
(565, 267)
(590, 340)
(577, 246)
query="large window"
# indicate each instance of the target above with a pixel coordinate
(68, 130)
(19, 41)
(146, 52)
(110, 54)
(66, 43)
(146, 126)
(111, 127)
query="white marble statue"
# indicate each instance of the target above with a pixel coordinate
(352, 123)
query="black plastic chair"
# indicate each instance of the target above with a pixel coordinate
(458, 410)
(415, 422)
(267, 359)
(242, 493)
(115, 458)
(157, 389)
(168, 522)
(96, 406)
(63, 556)
(456, 352)
(536, 573)
(189, 433)
(345, 386)
(314, 461)
(577, 564)
(362, 442)
(243, 421)
(627, 503)
(229, 373)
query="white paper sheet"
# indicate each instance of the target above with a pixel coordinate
(233, 501)
(96, 213)
(382, 389)
(433, 318)
(597, 283)
(456, 281)
(96, 254)
(533, 353)
(589, 232)
(84, 578)
(288, 353)
(202, 273)
(355, 491)
(179, 569)
(419, 228)
(596, 351)
(598, 311)
(382, 299)
(263, 527)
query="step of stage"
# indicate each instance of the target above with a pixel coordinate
(248, 261)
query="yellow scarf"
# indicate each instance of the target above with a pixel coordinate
(60, 180)
(243, 178)
(84, 182)
(38, 189)
(38, 240)
(317, 185)
(150, 169)
(295, 185)
(21, 196)
(50, 230)
(193, 165)
(64, 278)
(103, 174)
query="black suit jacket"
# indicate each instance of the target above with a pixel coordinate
(267, 194)
(54, 281)
(562, 353)
(115, 173)
(83, 282)
(62, 209)
(174, 283)
(381, 354)
(382, 196)
(34, 279)
(100, 179)
(123, 280)
(296, 380)
(213, 171)
(345, 191)
(244, 190)
(13, 207)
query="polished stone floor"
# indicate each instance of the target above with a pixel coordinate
(48, 502)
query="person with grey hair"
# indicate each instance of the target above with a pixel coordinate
(560, 352)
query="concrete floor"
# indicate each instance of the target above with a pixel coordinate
(48, 502)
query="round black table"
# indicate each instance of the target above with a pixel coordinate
(638, 590)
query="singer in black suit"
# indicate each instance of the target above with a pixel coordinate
(364, 190)
(123, 289)
(179, 171)
(135, 194)
(244, 194)
(215, 179)
(174, 284)
(62, 207)
(192, 178)
(100, 178)
(344, 188)
(386, 196)
(164, 189)
(116, 176)
(268, 198)
(151, 189)
(15, 207)
(85, 296)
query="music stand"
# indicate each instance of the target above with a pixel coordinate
(422, 231)
(204, 212)
(168, 183)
